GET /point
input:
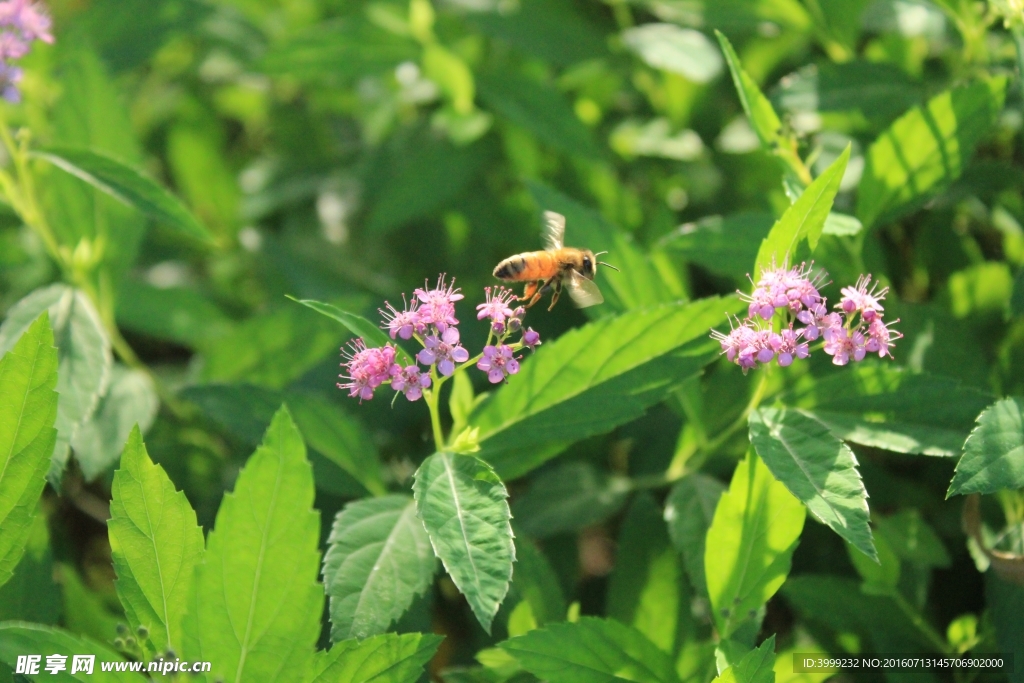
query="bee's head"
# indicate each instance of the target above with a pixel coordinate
(588, 265)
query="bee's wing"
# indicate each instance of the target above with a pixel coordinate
(554, 230)
(584, 292)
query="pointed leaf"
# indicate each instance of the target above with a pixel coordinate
(19, 638)
(378, 560)
(594, 378)
(804, 219)
(750, 543)
(926, 149)
(156, 544)
(357, 325)
(128, 185)
(817, 468)
(387, 658)
(463, 505)
(758, 108)
(257, 605)
(591, 651)
(28, 409)
(679, 50)
(993, 457)
(757, 666)
(688, 511)
(83, 352)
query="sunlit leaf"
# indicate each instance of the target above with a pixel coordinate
(28, 409)
(750, 543)
(591, 651)
(817, 468)
(156, 544)
(19, 638)
(387, 658)
(925, 149)
(255, 611)
(378, 560)
(83, 355)
(878, 90)
(993, 457)
(679, 50)
(462, 503)
(128, 185)
(593, 378)
(758, 108)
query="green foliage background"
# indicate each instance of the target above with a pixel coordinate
(183, 175)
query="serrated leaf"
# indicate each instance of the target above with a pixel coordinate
(591, 651)
(257, 604)
(750, 543)
(644, 589)
(130, 400)
(28, 409)
(387, 658)
(20, 638)
(359, 326)
(680, 50)
(757, 666)
(378, 560)
(804, 219)
(594, 378)
(993, 457)
(156, 545)
(463, 505)
(758, 108)
(568, 498)
(689, 509)
(817, 468)
(926, 149)
(881, 406)
(127, 185)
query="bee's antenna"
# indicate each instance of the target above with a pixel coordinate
(600, 253)
(608, 265)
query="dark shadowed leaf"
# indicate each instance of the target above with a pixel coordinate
(534, 581)
(568, 498)
(689, 509)
(724, 245)
(359, 326)
(555, 30)
(993, 457)
(1005, 602)
(176, 314)
(32, 594)
(878, 90)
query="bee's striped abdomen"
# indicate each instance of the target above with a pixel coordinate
(537, 265)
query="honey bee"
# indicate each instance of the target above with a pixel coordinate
(547, 270)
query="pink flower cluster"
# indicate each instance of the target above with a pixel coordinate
(856, 330)
(22, 22)
(429, 318)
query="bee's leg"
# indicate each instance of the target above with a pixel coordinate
(554, 297)
(541, 290)
(528, 291)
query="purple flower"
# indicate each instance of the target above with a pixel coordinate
(860, 299)
(438, 304)
(28, 18)
(404, 323)
(781, 288)
(409, 380)
(787, 345)
(445, 351)
(844, 345)
(496, 306)
(880, 337)
(367, 368)
(498, 362)
(531, 339)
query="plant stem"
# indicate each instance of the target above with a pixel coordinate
(937, 641)
(432, 397)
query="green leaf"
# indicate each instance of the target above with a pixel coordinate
(568, 498)
(817, 468)
(762, 116)
(993, 457)
(689, 510)
(724, 245)
(387, 658)
(881, 573)
(28, 375)
(557, 32)
(83, 356)
(86, 611)
(637, 284)
(804, 219)
(1005, 602)
(983, 289)
(594, 378)
(32, 594)
(175, 314)
(879, 91)
(757, 666)
(359, 326)
(462, 503)
(19, 638)
(378, 560)
(913, 539)
(534, 581)
(680, 50)
(877, 405)
(271, 349)
(257, 604)
(156, 544)
(130, 400)
(750, 543)
(538, 108)
(128, 185)
(591, 651)
(644, 589)
(926, 149)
